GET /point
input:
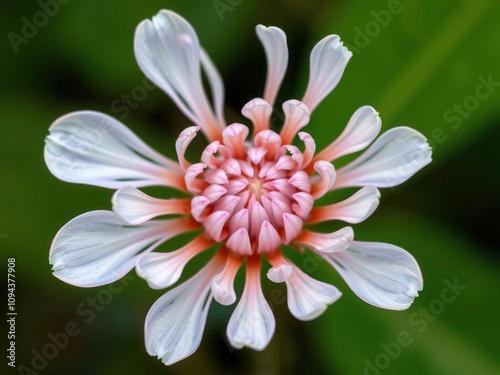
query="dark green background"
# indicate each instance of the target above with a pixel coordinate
(414, 68)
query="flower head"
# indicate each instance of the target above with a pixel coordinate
(251, 192)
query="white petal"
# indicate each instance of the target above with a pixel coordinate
(308, 298)
(97, 248)
(327, 242)
(393, 158)
(168, 52)
(223, 282)
(280, 273)
(135, 207)
(175, 323)
(92, 148)
(258, 111)
(216, 84)
(326, 179)
(181, 144)
(162, 270)
(353, 210)
(361, 130)
(380, 274)
(297, 115)
(273, 40)
(328, 60)
(252, 323)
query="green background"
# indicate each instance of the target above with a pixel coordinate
(414, 68)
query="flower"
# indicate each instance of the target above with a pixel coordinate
(249, 194)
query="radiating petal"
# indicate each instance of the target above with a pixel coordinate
(97, 248)
(327, 242)
(297, 116)
(135, 207)
(353, 210)
(181, 144)
(223, 282)
(252, 323)
(328, 60)
(273, 40)
(308, 298)
(92, 148)
(380, 274)
(168, 52)
(175, 323)
(215, 80)
(393, 158)
(259, 112)
(162, 270)
(360, 131)
(326, 179)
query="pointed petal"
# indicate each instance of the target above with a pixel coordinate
(175, 323)
(252, 323)
(97, 248)
(135, 207)
(239, 242)
(353, 210)
(327, 242)
(273, 40)
(380, 274)
(393, 158)
(360, 131)
(308, 298)
(269, 239)
(168, 52)
(328, 60)
(92, 148)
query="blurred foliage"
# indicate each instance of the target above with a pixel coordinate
(414, 61)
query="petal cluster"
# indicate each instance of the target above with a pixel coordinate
(251, 191)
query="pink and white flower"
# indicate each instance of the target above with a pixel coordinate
(250, 193)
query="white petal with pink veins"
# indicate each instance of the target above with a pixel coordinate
(168, 52)
(223, 282)
(327, 63)
(308, 298)
(162, 270)
(393, 158)
(327, 242)
(175, 323)
(325, 180)
(380, 274)
(273, 40)
(92, 148)
(353, 210)
(135, 207)
(360, 131)
(258, 111)
(97, 248)
(181, 144)
(252, 323)
(297, 115)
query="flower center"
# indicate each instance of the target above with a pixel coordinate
(253, 197)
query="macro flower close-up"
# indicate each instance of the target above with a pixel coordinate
(255, 193)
